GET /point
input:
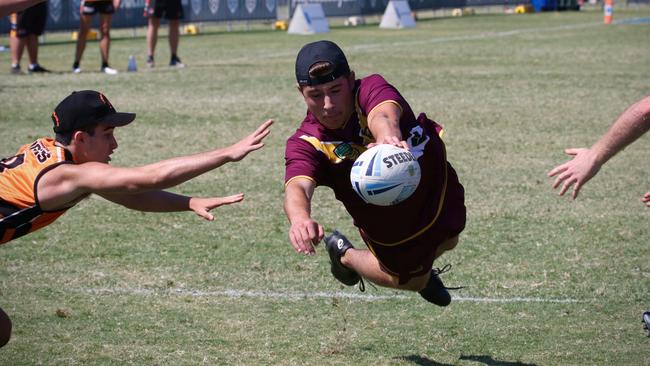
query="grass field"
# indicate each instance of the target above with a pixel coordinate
(550, 281)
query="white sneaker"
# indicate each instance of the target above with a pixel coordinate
(176, 62)
(76, 70)
(109, 70)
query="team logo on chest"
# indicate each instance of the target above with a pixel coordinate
(336, 151)
(346, 151)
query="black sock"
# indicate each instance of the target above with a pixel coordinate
(75, 65)
(104, 64)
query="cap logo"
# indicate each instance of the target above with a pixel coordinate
(105, 101)
(55, 118)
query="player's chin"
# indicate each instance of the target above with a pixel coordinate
(332, 122)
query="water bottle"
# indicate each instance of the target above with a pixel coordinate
(132, 66)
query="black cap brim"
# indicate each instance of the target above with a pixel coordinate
(117, 119)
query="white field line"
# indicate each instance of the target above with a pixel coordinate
(233, 293)
(372, 46)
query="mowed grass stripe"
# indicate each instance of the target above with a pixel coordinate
(264, 56)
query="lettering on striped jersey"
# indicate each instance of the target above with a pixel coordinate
(40, 152)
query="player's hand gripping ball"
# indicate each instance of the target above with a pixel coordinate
(385, 175)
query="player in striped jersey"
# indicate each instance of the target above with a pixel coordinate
(49, 176)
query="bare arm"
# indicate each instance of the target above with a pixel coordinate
(304, 232)
(161, 201)
(11, 6)
(629, 126)
(383, 122)
(66, 183)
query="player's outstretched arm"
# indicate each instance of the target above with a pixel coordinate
(577, 171)
(162, 201)
(304, 232)
(249, 143)
(68, 182)
(383, 122)
(629, 126)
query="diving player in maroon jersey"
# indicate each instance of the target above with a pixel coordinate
(345, 116)
(49, 176)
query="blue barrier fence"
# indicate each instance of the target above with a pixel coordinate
(64, 14)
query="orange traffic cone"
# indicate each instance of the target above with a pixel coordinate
(609, 10)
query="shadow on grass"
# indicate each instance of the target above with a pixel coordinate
(422, 361)
(488, 360)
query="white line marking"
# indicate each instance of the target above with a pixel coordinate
(232, 293)
(517, 299)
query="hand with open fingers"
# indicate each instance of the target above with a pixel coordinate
(646, 199)
(390, 140)
(576, 171)
(202, 206)
(305, 234)
(251, 142)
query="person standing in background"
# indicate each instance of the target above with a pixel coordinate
(172, 10)
(105, 9)
(26, 26)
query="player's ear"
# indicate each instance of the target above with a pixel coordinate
(299, 87)
(78, 137)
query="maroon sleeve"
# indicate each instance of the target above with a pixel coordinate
(374, 90)
(302, 159)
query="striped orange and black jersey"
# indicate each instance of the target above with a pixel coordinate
(20, 212)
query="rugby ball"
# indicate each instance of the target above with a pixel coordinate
(385, 175)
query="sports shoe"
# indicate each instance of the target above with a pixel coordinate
(36, 68)
(150, 62)
(109, 70)
(646, 322)
(435, 291)
(336, 245)
(176, 62)
(15, 69)
(76, 70)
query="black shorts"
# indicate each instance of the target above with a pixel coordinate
(29, 21)
(415, 257)
(97, 7)
(169, 9)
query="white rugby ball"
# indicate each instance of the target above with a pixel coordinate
(385, 175)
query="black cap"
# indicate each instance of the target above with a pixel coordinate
(321, 51)
(86, 108)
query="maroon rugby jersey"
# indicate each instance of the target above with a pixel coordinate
(326, 157)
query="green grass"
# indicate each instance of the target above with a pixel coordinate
(512, 91)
